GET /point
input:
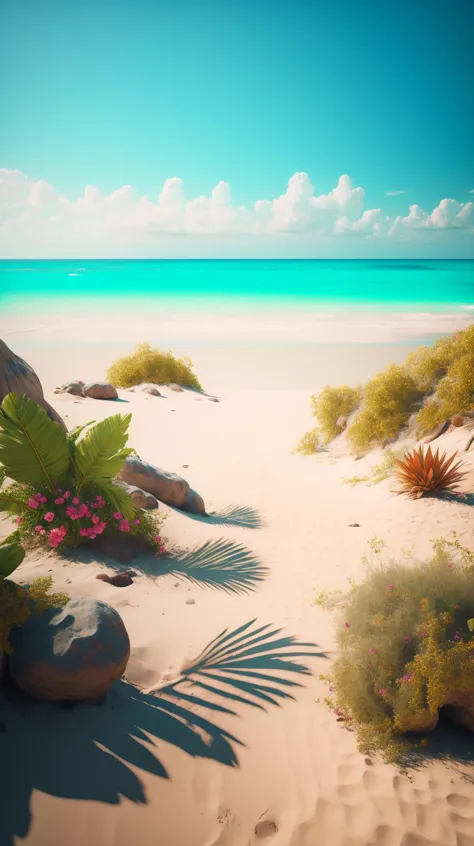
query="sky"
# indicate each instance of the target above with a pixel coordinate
(151, 128)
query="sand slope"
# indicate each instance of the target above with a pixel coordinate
(191, 766)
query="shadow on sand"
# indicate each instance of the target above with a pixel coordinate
(87, 753)
(241, 516)
(218, 564)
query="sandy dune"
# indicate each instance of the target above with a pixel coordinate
(179, 756)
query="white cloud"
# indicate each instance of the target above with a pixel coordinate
(394, 193)
(36, 220)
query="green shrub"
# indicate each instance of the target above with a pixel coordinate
(437, 382)
(327, 407)
(404, 642)
(309, 443)
(62, 492)
(15, 605)
(146, 364)
(389, 399)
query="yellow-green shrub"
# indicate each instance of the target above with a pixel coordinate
(15, 606)
(147, 364)
(389, 399)
(309, 442)
(404, 643)
(328, 406)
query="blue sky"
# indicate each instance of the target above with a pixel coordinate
(133, 93)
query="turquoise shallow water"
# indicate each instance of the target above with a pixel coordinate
(348, 284)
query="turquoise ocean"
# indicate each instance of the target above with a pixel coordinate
(336, 290)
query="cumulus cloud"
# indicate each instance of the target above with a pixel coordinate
(33, 213)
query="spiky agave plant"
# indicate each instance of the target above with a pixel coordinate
(422, 473)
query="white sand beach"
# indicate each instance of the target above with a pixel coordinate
(184, 760)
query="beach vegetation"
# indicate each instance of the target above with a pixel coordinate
(62, 491)
(425, 472)
(328, 407)
(146, 364)
(406, 646)
(379, 472)
(433, 384)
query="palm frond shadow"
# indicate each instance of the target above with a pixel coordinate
(218, 564)
(245, 665)
(240, 516)
(250, 665)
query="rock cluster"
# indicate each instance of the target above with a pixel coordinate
(94, 390)
(166, 487)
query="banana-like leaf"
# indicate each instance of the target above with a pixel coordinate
(100, 454)
(33, 448)
(120, 499)
(75, 433)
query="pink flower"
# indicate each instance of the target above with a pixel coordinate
(56, 536)
(38, 528)
(38, 496)
(136, 522)
(98, 498)
(66, 494)
(42, 532)
(75, 501)
(406, 638)
(347, 625)
(95, 518)
(390, 587)
(59, 501)
(124, 526)
(71, 512)
(118, 515)
(92, 535)
(372, 651)
(382, 691)
(157, 538)
(43, 500)
(49, 516)
(162, 548)
(33, 503)
(19, 521)
(457, 636)
(83, 532)
(406, 677)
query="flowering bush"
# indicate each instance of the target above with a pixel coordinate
(63, 492)
(406, 644)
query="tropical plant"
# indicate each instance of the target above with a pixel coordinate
(422, 473)
(147, 364)
(62, 490)
(406, 645)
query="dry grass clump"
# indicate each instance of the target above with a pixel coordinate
(435, 382)
(147, 364)
(422, 473)
(328, 406)
(405, 642)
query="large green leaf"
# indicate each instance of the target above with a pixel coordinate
(33, 448)
(100, 455)
(120, 499)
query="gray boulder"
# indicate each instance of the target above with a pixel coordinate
(176, 388)
(194, 503)
(149, 388)
(73, 653)
(75, 388)
(17, 377)
(100, 390)
(167, 487)
(141, 498)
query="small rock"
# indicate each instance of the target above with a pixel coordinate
(190, 602)
(149, 388)
(100, 390)
(184, 466)
(118, 580)
(265, 829)
(142, 499)
(341, 421)
(70, 654)
(354, 525)
(213, 399)
(75, 388)
(457, 421)
(176, 388)
(194, 503)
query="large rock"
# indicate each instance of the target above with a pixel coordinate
(142, 499)
(167, 487)
(194, 503)
(100, 390)
(73, 653)
(17, 377)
